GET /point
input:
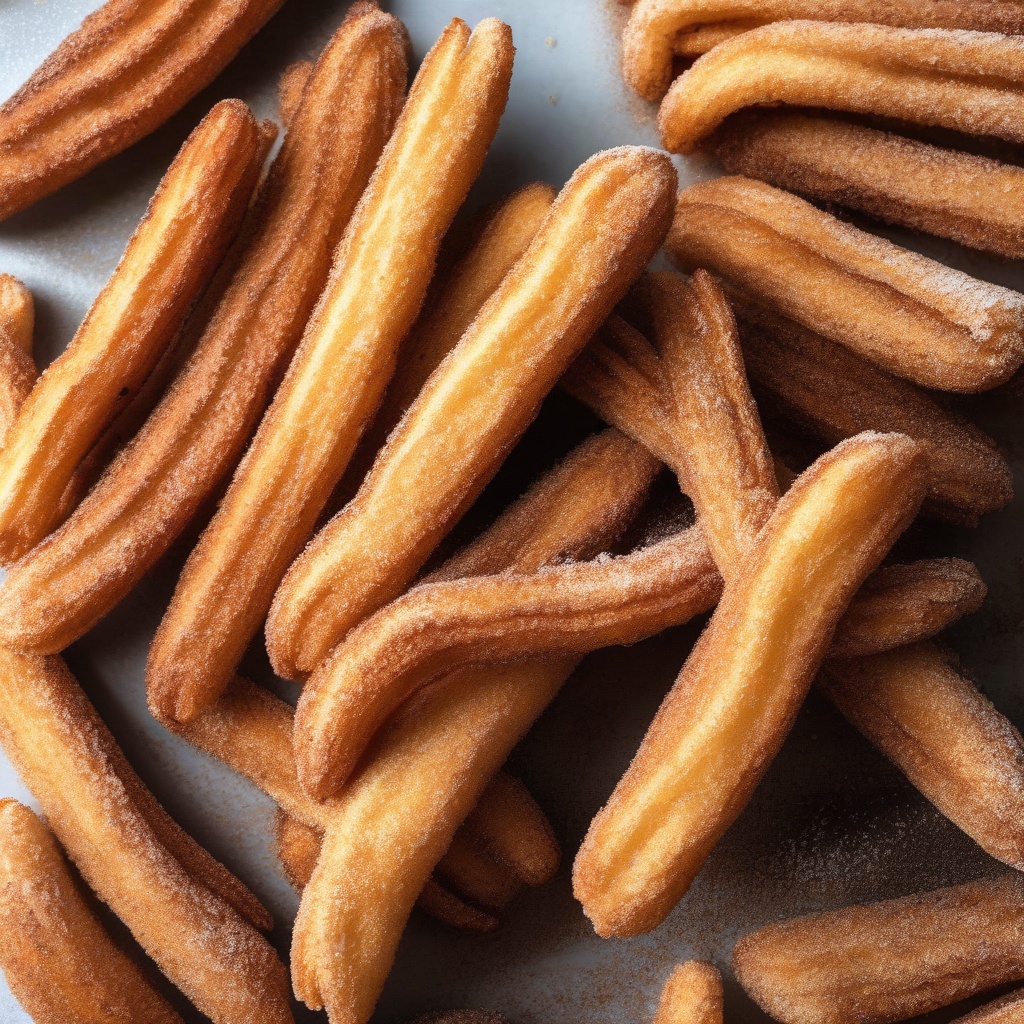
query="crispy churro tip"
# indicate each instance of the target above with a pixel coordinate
(17, 313)
(692, 995)
(290, 88)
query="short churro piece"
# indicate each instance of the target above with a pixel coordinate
(192, 218)
(971, 199)
(58, 959)
(967, 81)
(339, 372)
(198, 431)
(832, 392)
(917, 318)
(692, 995)
(887, 961)
(601, 232)
(741, 687)
(118, 836)
(118, 78)
(18, 371)
(1007, 1010)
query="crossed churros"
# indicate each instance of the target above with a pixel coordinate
(601, 232)
(193, 216)
(913, 316)
(196, 434)
(339, 372)
(887, 961)
(965, 81)
(186, 910)
(118, 78)
(971, 199)
(58, 959)
(692, 995)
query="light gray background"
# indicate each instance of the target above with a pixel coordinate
(832, 823)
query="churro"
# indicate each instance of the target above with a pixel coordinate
(744, 681)
(131, 853)
(917, 318)
(966, 81)
(290, 89)
(605, 226)
(339, 372)
(192, 218)
(18, 370)
(198, 431)
(971, 199)
(112, 82)
(692, 995)
(58, 959)
(887, 961)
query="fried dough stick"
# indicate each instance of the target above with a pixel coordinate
(916, 318)
(130, 853)
(603, 229)
(339, 372)
(119, 77)
(971, 199)
(18, 371)
(432, 763)
(966, 81)
(692, 995)
(58, 959)
(197, 433)
(887, 961)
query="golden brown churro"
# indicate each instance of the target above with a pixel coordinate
(966, 81)
(18, 371)
(599, 235)
(131, 854)
(915, 317)
(192, 218)
(338, 375)
(659, 30)
(58, 959)
(742, 685)
(198, 431)
(692, 995)
(971, 199)
(118, 78)
(887, 961)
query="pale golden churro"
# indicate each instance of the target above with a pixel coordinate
(338, 375)
(887, 961)
(118, 78)
(599, 235)
(58, 959)
(915, 317)
(692, 995)
(130, 852)
(192, 218)
(971, 199)
(18, 371)
(742, 685)
(196, 434)
(965, 81)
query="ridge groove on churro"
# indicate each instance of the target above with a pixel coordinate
(692, 995)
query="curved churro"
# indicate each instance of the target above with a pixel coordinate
(971, 199)
(692, 995)
(58, 959)
(740, 689)
(196, 434)
(118, 78)
(18, 371)
(600, 233)
(915, 317)
(192, 218)
(887, 961)
(119, 836)
(966, 81)
(338, 375)
(798, 370)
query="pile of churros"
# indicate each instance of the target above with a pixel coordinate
(318, 367)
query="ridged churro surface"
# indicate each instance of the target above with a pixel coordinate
(692, 995)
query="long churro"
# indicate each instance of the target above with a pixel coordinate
(195, 436)
(339, 372)
(692, 995)
(915, 317)
(742, 685)
(887, 961)
(118, 78)
(971, 199)
(129, 851)
(965, 81)
(18, 371)
(58, 959)
(192, 218)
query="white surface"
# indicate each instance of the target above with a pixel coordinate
(832, 823)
